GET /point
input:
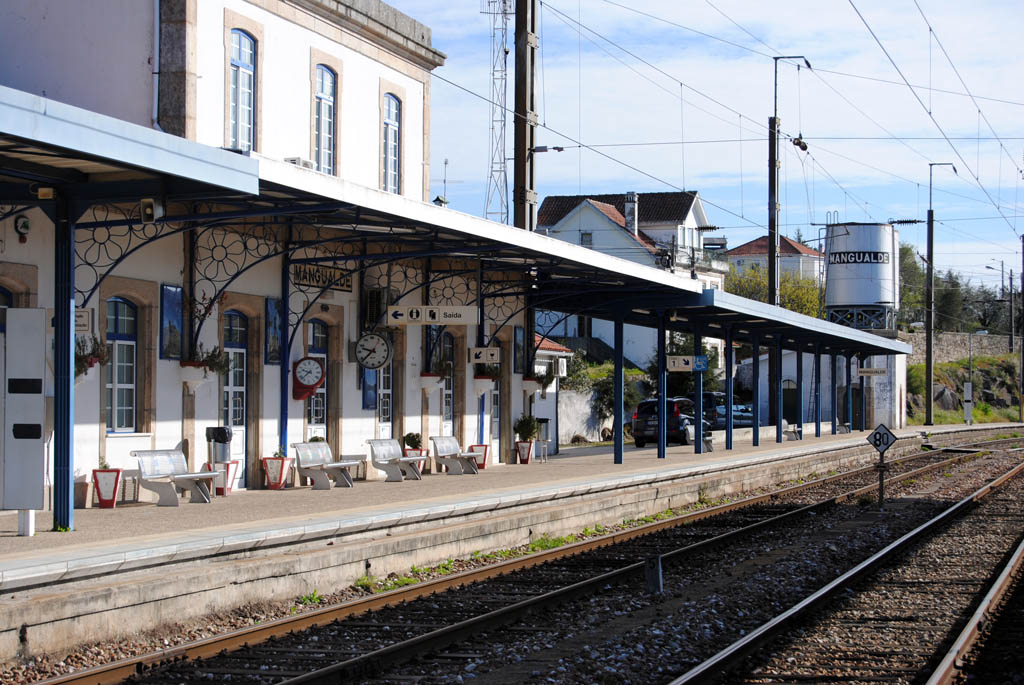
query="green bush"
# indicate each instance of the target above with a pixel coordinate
(915, 379)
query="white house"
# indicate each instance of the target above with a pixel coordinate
(794, 258)
(662, 230)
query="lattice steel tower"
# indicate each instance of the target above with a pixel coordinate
(496, 208)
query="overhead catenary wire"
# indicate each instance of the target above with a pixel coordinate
(917, 97)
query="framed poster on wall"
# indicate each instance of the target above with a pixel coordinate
(171, 321)
(272, 339)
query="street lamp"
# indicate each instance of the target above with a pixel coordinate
(969, 390)
(929, 285)
(1002, 295)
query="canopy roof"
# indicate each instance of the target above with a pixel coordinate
(90, 158)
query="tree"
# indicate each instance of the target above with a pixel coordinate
(912, 282)
(681, 384)
(796, 294)
(949, 301)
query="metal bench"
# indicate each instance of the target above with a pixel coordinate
(387, 456)
(447, 452)
(315, 461)
(166, 471)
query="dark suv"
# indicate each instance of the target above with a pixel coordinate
(679, 411)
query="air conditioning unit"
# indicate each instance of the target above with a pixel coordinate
(299, 161)
(563, 368)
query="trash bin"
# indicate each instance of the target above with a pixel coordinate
(218, 447)
(218, 444)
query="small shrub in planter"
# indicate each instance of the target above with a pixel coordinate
(526, 428)
(413, 441)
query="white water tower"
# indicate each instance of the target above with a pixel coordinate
(862, 284)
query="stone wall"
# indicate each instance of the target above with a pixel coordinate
(953, 346)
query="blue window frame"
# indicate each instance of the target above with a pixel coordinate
(392, 143)
(120, 374)
(236, 330)
(323, 103)
(242, 108)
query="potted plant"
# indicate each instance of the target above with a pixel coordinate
(413, 445)
(276, 469)
(107, 482)
(203, 360)
(491, 372)
(525, 428)
(89, 351)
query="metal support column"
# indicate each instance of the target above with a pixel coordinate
(755, 422)
(662, 387)
(863, 398)
(728, 387)
(817, 390)
(800, 392)
(64, 367)
(286, 347)
(698, 394)
(849, 390)
(777, 390)
(617, 383)
(834, 378)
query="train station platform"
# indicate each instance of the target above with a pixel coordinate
(122, 569)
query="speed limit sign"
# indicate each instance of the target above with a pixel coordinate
(882, 438)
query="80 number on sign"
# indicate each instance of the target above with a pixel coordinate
(882, 438)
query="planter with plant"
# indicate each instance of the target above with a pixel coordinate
(490, 372)
(526, 428)
(276, 468)
(89, 351)
(203, 360)
(413, 445)
(106, 482)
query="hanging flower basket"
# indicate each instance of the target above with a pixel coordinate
(89, 351)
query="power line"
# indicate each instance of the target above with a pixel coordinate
(930, 115)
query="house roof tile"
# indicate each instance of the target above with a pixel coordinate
(548, 345)
(759, 246)
(655, 208)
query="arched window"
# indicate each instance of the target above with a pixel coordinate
(236, 329)
(243, 91)
(392, 143)
(316, 405)
(323, 105)
(122, 337)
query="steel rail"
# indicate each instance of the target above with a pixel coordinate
(118, 671)
(369, 663)
(713, 668)
(948, 669)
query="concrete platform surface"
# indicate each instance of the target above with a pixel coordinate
(141, 535)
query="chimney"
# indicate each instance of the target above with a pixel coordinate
(632, 209)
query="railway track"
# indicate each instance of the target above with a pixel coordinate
(889, 618)
(352, 641)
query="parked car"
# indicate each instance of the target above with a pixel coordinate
(679, 411)
(742, 416)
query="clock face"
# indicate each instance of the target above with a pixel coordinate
(309, 371)
(373, 351)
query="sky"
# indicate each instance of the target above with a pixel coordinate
(676, 94)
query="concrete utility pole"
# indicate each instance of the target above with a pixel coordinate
(524, 184)
(773, 210)
(929, 296)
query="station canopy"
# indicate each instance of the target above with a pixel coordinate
(92, 160)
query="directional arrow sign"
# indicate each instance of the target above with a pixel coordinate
(484, 355)
(432, 315)
(679, 363)
(882, 438)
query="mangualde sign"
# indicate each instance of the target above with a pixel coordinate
(315, 276)
(858, 257)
